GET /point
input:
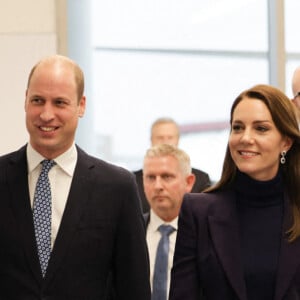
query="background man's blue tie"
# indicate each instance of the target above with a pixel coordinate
(159, 289)
(42, 215)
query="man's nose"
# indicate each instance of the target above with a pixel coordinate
(158, 182)
(47, 113)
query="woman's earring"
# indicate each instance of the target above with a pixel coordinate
(282, 158)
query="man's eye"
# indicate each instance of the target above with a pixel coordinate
(60, 102)
(167, 177)
(36, 100)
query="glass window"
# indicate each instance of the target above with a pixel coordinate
(189, 24)
(292, 41)
(184, 59)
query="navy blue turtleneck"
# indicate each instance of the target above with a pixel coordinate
(260, 213)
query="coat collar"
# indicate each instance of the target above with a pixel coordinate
(223, 223)
(289, 258)
(80, 192)
(20, 203)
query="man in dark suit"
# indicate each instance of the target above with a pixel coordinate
(166, 131)
(167, 177)
(95, 227)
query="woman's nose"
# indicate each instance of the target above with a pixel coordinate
(247, 136)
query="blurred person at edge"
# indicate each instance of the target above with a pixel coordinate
(296, 91)
(240, 238)
(166, 131)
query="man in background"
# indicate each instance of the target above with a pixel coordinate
(296, 87)
(68, 221)
(296, 91)
(166, 131)
(167, 177)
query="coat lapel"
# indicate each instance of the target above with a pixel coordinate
(223, 225)
(20, 203)
(289, 258)
(79, 194)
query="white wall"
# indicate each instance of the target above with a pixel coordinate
(29, 30)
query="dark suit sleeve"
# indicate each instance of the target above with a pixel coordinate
(185, 282)
(131, 264)
(140, 184)
(202, 181)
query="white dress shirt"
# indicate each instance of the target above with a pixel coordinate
(153, 236)
(60, 177)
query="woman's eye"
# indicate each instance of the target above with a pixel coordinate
(262, 128)
(236, 127)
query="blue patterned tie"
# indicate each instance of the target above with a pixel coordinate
(159, 290)
(42, 215)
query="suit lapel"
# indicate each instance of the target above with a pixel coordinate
(289, 258)
(146, 217)
(20, 203)
(224, 230)
(77, 199)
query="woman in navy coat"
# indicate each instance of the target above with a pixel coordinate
(240, 238)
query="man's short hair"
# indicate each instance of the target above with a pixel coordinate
(170, 150)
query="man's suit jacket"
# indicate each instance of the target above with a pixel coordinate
(202, 182)
(146, 217)
(207, 260)
(101, 233)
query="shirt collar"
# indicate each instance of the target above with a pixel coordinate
(66, 161)
(156, 221)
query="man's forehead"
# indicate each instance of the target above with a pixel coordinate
(160, 163)
(165, 126)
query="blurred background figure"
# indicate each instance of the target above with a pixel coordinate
(296, 86)
(167, 177)
(296, 90)
(166, 131)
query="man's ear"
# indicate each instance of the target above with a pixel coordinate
(190, 180)
(82, 104)
(26, 92)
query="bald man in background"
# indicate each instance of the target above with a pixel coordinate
(296, 91)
